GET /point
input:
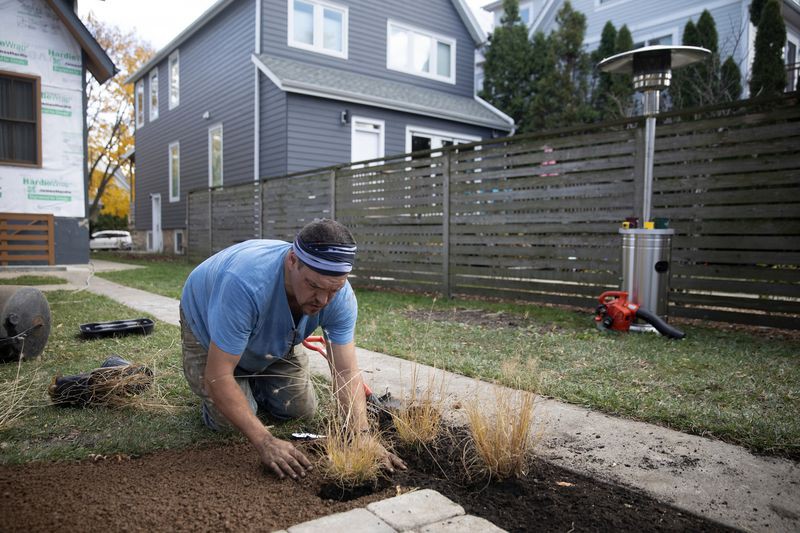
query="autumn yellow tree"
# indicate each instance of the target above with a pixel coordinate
(110, 119)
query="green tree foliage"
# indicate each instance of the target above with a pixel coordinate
(507, 68)
(731, 79)
(560, 94)
(768, 77)
(756, 7)
(601, 93)
(109, 116)
(612, 95)
(705, 83)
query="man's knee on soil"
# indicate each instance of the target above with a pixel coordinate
(299, 406)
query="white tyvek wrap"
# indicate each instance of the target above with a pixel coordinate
(33, 41)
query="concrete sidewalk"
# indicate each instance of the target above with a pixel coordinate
(703, 476)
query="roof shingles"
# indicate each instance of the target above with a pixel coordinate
(305, 78)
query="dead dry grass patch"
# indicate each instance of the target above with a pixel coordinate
(419, 419)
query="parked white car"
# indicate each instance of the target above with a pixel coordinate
(111, 240)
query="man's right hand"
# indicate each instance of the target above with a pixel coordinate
(282, 458)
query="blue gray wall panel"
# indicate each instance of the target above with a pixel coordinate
(216, 76)
(317, 138)
(367, 39)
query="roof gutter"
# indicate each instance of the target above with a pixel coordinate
(473, 26)
(315, 90)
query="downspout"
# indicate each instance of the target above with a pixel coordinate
(257, 232)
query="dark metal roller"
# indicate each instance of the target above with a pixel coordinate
(24, 323)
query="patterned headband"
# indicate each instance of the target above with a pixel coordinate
(327, 259)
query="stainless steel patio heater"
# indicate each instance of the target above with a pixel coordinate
(646, 248)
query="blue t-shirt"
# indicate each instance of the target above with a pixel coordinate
(237, 299)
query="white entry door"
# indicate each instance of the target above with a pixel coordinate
(367, 139)
(157, 241)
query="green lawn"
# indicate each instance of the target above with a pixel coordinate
(33, 280)
(162, 275)
(737, 386)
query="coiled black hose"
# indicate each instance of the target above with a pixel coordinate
(661, 326)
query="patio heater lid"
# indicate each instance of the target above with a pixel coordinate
(652, 66)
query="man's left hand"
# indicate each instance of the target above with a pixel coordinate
(391, 461)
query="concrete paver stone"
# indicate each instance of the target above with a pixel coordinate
(354, 521)
(415, 509)
(462, 524)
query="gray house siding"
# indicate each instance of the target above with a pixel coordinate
(367, 38)
(317, 138)
(216, 76)
(273, 129)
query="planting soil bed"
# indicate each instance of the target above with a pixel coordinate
(224, 488)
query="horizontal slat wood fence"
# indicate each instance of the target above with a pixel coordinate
(535, 217)
(26, 239)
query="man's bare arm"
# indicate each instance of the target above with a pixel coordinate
(279, 455)
(350, 392)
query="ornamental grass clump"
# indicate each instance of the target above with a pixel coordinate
(352, 456)
(501, 435)
(418, 421)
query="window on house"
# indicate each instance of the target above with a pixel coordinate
(20, 120)
(421, 53)
(174, 172)
(215, 156)
(318, 26)
(177, 238)
(791, 65)
(664, 40)
(139, 103)
(153, 95)
(526, 13)
(425, 139)
(174, 79)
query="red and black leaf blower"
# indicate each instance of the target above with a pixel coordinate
(616, 313)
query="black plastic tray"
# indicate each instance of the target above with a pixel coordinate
(95, 330)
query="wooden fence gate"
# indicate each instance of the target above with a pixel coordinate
(26, 238)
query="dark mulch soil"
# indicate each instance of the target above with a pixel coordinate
(224, 488)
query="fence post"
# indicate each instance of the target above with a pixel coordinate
(186, 224)
(257, 210)
(210, 221)
(446, 223)
(333, 194)
(638, 173)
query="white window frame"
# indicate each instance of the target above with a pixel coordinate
(434, 56)
(174, 99)
(153, 93)
(604, 4)
(174, 196)
(529, 7)
(457, 138)
(381, 135)
(179, 250)
(499, 14)
(318, 27)
(673, 32)
(138, 103)
(221, 156)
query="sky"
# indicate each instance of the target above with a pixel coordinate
(175, 15)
